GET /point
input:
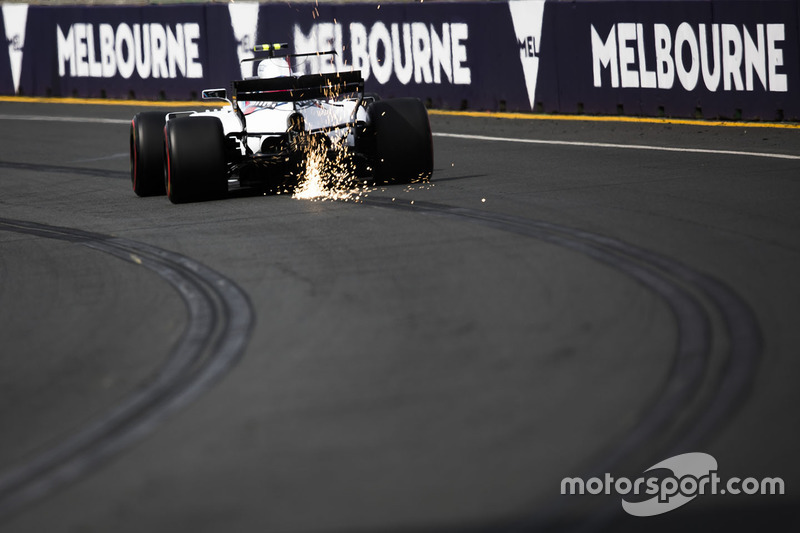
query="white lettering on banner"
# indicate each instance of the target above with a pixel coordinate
(710, 77)
(421, 45)
(738, 59)
(107, 57)
(775, 33)
(731, 57)
(646, 77)
(626, 33)
(158, 39)
(687, 76)
(142, 53)
(403, 72)
(151, 50)
(665, 72)
(752, 50)
(191, 35)
(81, 50)
(458, 36)
(441, 54)
(125, 63)
(359, 41)
(406, 51)
(604, 55)
(379, 37)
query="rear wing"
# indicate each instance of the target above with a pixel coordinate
(277, 50)
(296, 88)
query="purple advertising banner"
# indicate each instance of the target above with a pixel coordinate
(725, 58)
(149, 52)
(686, 58)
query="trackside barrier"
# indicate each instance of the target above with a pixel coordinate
(709, 58)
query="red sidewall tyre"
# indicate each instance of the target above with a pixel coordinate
(147, 153)
(195, 166)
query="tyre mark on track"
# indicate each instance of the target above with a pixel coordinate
(220, 320)
(62, 169)
(670, 280)
(118, 155)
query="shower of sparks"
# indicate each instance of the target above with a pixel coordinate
(330, 173)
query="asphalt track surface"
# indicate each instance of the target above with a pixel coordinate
(435, 357)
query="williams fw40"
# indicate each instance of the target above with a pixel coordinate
(279, 132)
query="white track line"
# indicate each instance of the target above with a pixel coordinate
(612, 145)
(468, 137)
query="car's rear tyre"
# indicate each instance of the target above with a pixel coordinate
(403, 146)
(195, 159)
(147, 153)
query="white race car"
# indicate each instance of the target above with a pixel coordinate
(273, 129)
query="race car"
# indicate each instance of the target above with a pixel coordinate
(271, 130)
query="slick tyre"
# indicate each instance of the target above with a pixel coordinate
(195, 159)
(403, 146)
(147, 153)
